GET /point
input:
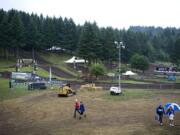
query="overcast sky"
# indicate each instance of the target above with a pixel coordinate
(115, 13)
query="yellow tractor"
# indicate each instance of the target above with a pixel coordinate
(66, 91)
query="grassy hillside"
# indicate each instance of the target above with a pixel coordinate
(9, 65)
(58, 61)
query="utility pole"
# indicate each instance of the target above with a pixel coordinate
(119, 45)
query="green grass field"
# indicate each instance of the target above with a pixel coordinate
(129, 94)
(19, 90)
(6, 93)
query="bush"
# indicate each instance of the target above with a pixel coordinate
(97, 70)
(139, 62)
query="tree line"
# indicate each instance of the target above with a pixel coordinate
(20, 30)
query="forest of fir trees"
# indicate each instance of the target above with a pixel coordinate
(23, 31)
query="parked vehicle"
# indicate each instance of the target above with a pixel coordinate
(37, 85)
(115, 91)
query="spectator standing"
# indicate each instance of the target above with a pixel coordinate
(82, 110)
(160, 112)
(76, 107)
(170, 113)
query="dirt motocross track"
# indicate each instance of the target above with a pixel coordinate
(42, 113)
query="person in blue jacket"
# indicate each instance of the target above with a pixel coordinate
(160, 112)
(82, 110)
(170, 113)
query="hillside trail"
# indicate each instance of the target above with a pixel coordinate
(44, 64)
(55, 70)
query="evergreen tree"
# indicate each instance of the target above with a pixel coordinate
(109, 50)
(175, 55)
(19, 30)
(31, 35)
(59, 41)
(49, 33)
(70, 35)
(88, 43)
(4, 35)
(16, 34)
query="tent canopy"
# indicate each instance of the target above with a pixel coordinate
(129, 73)
(74, 59)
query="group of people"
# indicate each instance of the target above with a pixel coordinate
(161, 111)
(79, 108)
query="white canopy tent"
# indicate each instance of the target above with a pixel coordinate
(129, 73)
(54, 48)
(74, 59)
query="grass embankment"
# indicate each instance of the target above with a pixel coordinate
(9, 65)
(6, 93)
(6, 65)
(58, 61)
